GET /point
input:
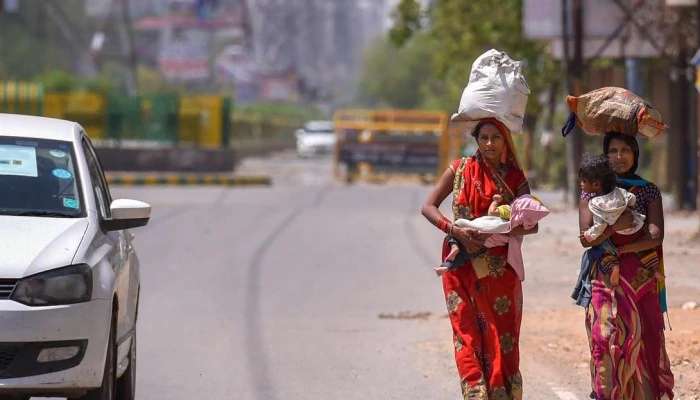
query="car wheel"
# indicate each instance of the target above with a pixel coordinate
(108, 389)
(126, 385)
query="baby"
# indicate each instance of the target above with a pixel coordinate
(456, 257)
(608, 203)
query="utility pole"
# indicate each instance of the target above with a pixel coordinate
(679, 141)
(128, 50)
(693, 131)
(697, 113)
(574, 69)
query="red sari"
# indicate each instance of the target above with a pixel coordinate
(484, 295)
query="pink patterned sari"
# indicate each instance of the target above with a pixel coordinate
(625, 324)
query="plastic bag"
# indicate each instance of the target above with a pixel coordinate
(496, 89)
(614, 109)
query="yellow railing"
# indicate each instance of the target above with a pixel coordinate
(357, 127)
(391, 121)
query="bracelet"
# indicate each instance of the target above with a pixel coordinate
(450, 232)
(443, 224)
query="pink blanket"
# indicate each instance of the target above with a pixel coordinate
(526, 211)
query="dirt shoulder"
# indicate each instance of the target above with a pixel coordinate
(554, 347)
(558, 337)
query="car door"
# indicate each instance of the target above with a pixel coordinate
(119, 258)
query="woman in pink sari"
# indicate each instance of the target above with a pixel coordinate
(625, 320)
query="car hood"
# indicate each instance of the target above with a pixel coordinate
(29, 245)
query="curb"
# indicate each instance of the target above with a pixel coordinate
(187, 180)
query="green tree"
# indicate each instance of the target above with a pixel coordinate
(396, 77)
(468, 28)
(42, 36)
(428, 56)
(450, 35)
(407, 21)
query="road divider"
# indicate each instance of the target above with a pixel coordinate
(187, 180)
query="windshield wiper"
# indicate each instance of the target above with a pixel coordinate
(43, 214)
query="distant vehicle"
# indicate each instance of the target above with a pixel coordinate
(317, 137)
(376, 145)
(69, 274)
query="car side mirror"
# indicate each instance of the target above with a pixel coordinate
(127, 214)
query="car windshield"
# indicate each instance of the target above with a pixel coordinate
(38, 178)
(319, 127)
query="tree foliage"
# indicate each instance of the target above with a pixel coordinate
(32, 41)
(431, 60)
(407, 21)
(396, 76)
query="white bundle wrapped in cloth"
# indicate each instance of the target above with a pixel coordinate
(486, 224)
(496, 89)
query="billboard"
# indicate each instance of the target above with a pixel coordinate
(542, 19)
(98, 8)
(184, 55)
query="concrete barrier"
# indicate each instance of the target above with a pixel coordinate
(166, 159)
(186, 180)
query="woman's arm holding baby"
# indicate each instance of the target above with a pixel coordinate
(654, 236)
(625, 221)
(431, 211)
(431, 207)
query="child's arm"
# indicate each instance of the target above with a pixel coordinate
(596, 230)
(493, 207)
(585, 221)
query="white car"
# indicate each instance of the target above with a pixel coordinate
(317, 137)
(69, 276)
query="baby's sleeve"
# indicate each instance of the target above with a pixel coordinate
(597, 229)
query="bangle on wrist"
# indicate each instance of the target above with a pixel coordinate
(443, 224)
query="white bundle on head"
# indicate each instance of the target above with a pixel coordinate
(496, 89)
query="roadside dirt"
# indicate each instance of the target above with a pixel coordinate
(554, 347)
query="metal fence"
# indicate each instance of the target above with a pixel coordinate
(196, 120)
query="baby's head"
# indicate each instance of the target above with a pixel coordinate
(596, 175)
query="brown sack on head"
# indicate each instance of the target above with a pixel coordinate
(614, 109)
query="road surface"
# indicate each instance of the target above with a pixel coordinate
(311, 289)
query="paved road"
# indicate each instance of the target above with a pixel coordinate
(275, 294)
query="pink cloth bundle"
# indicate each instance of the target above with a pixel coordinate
(526, 211)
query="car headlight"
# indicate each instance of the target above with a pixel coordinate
(67, 285)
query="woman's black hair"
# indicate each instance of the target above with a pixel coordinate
(629, 140)
(481, 124)
(597, 168)
(477, 129)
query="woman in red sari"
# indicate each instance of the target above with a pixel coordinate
(484, 295)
